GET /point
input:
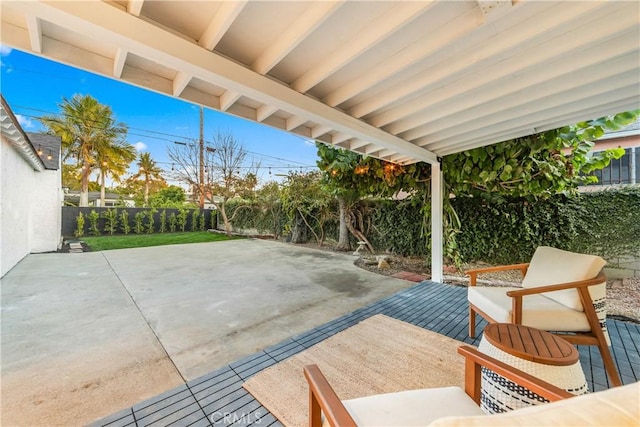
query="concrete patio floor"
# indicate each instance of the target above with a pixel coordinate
(84, 335)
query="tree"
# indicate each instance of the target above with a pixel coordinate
(535, 166)
(225, 177)
(84, 126)
(113, 159)
(149, 172)
(170, 197)
(305, 202)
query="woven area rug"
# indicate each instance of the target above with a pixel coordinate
(378, 355)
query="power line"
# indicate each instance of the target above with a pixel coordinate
(170, 140)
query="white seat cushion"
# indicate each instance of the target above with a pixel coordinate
(411, 408)
(618, 406)
(551, 266)
(537, 311)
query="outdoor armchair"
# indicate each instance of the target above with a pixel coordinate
(452, 406)
(561, 292)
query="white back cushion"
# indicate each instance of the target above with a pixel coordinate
(551, 266)
(618, 406)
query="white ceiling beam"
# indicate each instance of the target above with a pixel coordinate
(220, 23)
(340, 137)
(311, 18)
(318, 131)
(35, 33)
(385, 153)
(592, 100)
(118, 62)
(104, 22)
(134, 7)
(569, 85)
(228, 98)
(497, 48)
(180, 82)
(265, 111)
(399, 158)
(355, 143)
(584, 37)
(375, 32)
(407, 57)
(295, 121)
(576, 67)
(574, 117)
(533, 110)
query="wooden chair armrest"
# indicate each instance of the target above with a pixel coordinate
(473, 274)
(474, 359)
(600, 278)
(323, 400)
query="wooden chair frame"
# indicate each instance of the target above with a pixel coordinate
(324, 400)
(594, 337)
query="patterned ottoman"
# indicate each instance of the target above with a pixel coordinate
(533, 351)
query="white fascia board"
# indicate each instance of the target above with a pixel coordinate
(105, 22)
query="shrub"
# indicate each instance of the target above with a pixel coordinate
(163, 221)
(139, 222)
(124, 222)
(201, 222)
(150, 224)
(79, 225)
(182, 219)
(111, 220)
(93, 222)
(194, 220)
(173, 222)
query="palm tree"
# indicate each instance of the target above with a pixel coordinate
(149, 171)
(113, 159)
(84, 126)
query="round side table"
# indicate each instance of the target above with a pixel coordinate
(533, 351)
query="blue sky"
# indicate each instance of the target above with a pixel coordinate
(34, 86)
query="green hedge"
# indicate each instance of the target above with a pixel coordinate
(606, 223)
(266, 218)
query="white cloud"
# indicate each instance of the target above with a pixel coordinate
(5, 50)
(25, 122)
(140, 146)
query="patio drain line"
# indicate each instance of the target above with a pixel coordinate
(154, 334)
(145, 319)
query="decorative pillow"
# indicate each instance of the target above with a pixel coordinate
(551, 266)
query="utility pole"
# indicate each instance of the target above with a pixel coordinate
(201, 157)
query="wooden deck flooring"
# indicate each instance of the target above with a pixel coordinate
(218, 399)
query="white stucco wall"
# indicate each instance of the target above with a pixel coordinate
(30, 213)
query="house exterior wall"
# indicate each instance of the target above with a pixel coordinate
(30, 215)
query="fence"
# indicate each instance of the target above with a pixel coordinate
(70, 215)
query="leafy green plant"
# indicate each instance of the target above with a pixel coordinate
(79, 225)
(93, 222)
(194, 220)
(201, 222)
(182, 219)
(138, 220)
(151, 222)
(163, 221)
(124, 222)
(173, 222)
(111, 220)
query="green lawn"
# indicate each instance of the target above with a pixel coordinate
(105, 243)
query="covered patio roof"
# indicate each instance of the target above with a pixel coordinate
(401, 81)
